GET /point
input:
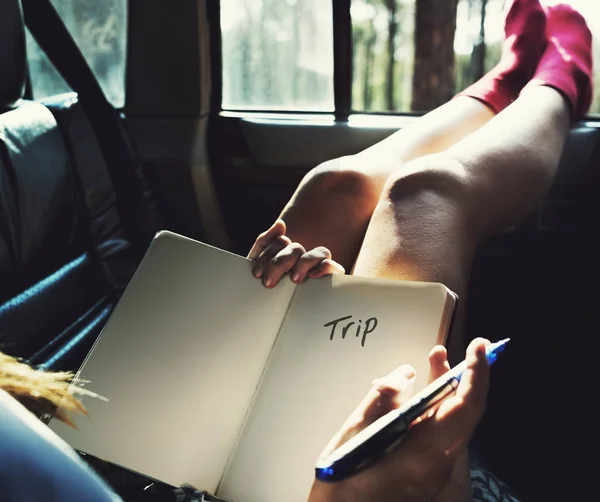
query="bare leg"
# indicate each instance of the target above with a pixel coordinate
(333, 204)
(435, 210)
(432, 214)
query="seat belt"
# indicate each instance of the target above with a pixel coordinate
(48, 29)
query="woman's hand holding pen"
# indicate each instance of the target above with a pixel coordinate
(430, 463)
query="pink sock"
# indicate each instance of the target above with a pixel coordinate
(567, 63)
(524, 44)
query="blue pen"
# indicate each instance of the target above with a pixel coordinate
(384, 434)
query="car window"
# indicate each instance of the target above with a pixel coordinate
(278, 54)
(100, 30)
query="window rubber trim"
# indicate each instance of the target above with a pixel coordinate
(213, 14)
(342, 59)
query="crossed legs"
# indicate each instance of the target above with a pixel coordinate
(416, 205)
(334, 203)
(432, 214)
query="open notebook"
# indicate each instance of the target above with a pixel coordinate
(216, 381)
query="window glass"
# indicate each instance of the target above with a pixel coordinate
(591, 11)
(277, 55)
(383, 45)
(45, 80)
(100, 30)
(384, 49)
(477, 40)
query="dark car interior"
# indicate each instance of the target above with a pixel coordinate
(88, 174)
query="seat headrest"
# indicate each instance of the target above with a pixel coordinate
(13, 59)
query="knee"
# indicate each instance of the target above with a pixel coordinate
(338, 179)
(435, 177)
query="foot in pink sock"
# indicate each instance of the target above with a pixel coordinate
(524, 44)
(567, 63)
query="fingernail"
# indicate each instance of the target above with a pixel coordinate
(296, 277)
(473, 358)
(408, 373)
(482, 354)
(257, 272)
(269, 282)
